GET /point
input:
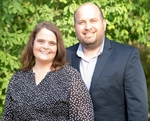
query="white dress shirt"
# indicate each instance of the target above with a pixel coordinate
(87, 65)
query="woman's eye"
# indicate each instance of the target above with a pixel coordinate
(40, 40)
(52, 43)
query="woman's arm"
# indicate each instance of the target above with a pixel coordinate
(81, 108)
(7, 115)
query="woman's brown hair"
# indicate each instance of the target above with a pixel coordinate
(27, 57)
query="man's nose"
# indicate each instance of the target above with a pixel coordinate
(88, 26)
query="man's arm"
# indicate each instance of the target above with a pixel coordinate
(136, 89)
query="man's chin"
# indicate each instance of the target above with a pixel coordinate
(89, 46)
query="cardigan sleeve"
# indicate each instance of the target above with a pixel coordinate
(81, 108)
(8, 112)
(7, 115)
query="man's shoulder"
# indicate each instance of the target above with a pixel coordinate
(73, 47)
(119, 45)
(70, 51)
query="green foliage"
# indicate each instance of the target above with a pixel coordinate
(127, 21)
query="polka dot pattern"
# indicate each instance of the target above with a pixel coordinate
(60, 96)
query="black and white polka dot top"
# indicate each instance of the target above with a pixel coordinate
(60, 96)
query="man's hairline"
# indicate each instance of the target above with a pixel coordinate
(100, 12)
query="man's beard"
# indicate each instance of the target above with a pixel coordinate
(91, 45)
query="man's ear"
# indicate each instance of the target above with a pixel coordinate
(104, 23)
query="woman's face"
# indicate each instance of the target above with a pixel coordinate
(45, 46)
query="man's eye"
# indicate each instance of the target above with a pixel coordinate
(81, 22)
(93, 21)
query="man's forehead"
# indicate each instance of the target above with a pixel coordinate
(87, 7)
(86, 12)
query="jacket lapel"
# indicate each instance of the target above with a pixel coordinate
(76, 62)
(101, 62)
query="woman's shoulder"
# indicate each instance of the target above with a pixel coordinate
(18, 75)
(70, 69)
(71, 72)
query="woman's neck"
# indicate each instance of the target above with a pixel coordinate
(41, 67)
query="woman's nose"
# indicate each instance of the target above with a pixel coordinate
(46, 45)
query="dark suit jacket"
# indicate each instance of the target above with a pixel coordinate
(118, 88)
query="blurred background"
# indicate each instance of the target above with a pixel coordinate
(128, 22)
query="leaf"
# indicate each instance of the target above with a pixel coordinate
(17, 5)
(130, 22)
(14, 10)
(71, 10)
(4, 17)
(5, 3)
(32, 8)
(66, 9)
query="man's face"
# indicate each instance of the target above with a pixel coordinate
(89, 26)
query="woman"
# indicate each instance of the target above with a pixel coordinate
(46, 88)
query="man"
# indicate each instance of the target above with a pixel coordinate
(112, 72)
